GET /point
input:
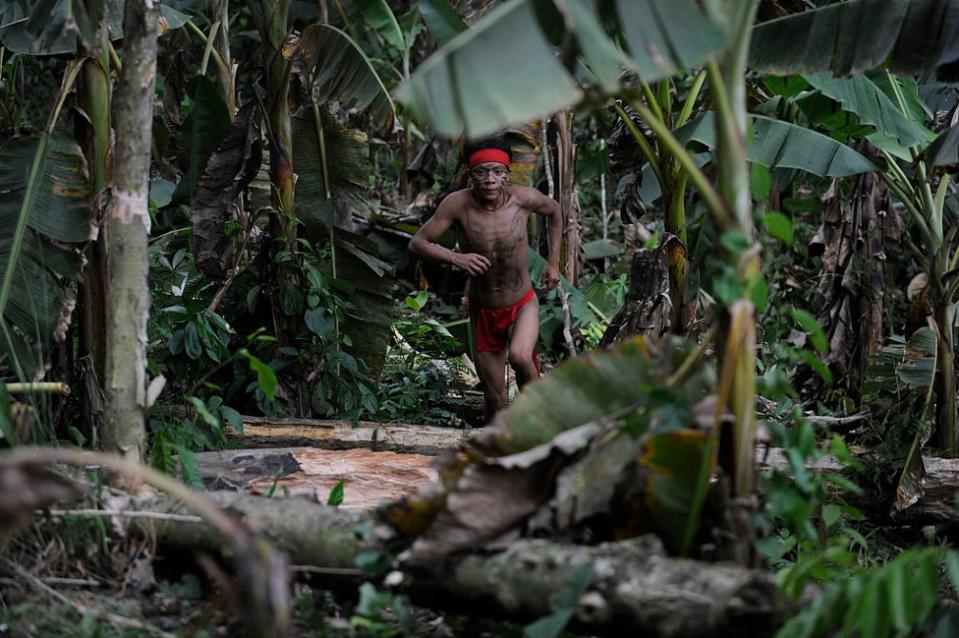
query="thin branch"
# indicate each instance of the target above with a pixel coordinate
(95, 513)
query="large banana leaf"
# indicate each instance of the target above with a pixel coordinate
(341, 71)
(377, 14)
(778, 144)
(44, 213)
(348, 167)
(441, 20)
(53, 27)
(347, 161)
(203, 131)
(505, 70)
(859, 95)
(855, 36)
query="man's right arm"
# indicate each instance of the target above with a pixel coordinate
(424, 243)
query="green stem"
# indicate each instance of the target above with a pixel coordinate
(321, 144)
(910, 206)
(195, 30)
(691, 98)
(651, 100)
(714, 203)
(644, 146)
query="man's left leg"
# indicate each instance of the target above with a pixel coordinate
(522, 346)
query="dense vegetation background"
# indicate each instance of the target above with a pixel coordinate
(759, 262)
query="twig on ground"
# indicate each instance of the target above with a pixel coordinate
(83, 610)
(180, 518)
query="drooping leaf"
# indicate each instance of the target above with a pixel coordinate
(377, 14)
(779, 226)
(778, 144)
(582, 390)
(203, 130)
(45, 197)
(918, 366)
(859, 95)
(348, 167)
(855, 36)
(474, 84)
(443, 23)
(52, 27)
(944, 150)
(230, 168)
(341, 71)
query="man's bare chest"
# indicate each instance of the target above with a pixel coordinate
(488, 232)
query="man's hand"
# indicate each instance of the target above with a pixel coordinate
(472, 263)
(550, 277)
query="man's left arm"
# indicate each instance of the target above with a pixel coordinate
(549, 208)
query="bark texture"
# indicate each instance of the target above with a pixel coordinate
(635, 587)
(852, 241)
(127, 229)
(647, 306)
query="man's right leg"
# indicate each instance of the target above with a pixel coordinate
(491, 368)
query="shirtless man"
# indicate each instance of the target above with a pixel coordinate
(492, 219)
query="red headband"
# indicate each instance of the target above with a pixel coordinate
(489, 155)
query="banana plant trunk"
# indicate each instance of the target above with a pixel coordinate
(127, 230)
(946, 378)
(737, 354)
(272, 22)
(677, 259)
(93, 135)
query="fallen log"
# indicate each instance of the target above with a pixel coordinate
(261, 432)
(635, 587)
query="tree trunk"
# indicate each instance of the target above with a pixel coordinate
(644, 310)
(127, 230)
(566, 195)
(852, 240)
(635, 588)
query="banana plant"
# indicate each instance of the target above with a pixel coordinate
(45, 218)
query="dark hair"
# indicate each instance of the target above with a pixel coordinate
(498, 143)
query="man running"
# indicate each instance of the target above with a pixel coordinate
(492, 220)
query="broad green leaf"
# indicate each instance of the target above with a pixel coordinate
(377, 14)
(232, 417)
(444, 24)
(581, 390)
(475, 83)
(203, 131)
(855, 36)
(601, 248)
(779, 226)
(45, 214)
(340, 71)
(667, 37)
(778, 144)
(265, 376)
(204, 413)
(859, 95)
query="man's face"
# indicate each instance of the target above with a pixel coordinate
(489, 179)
